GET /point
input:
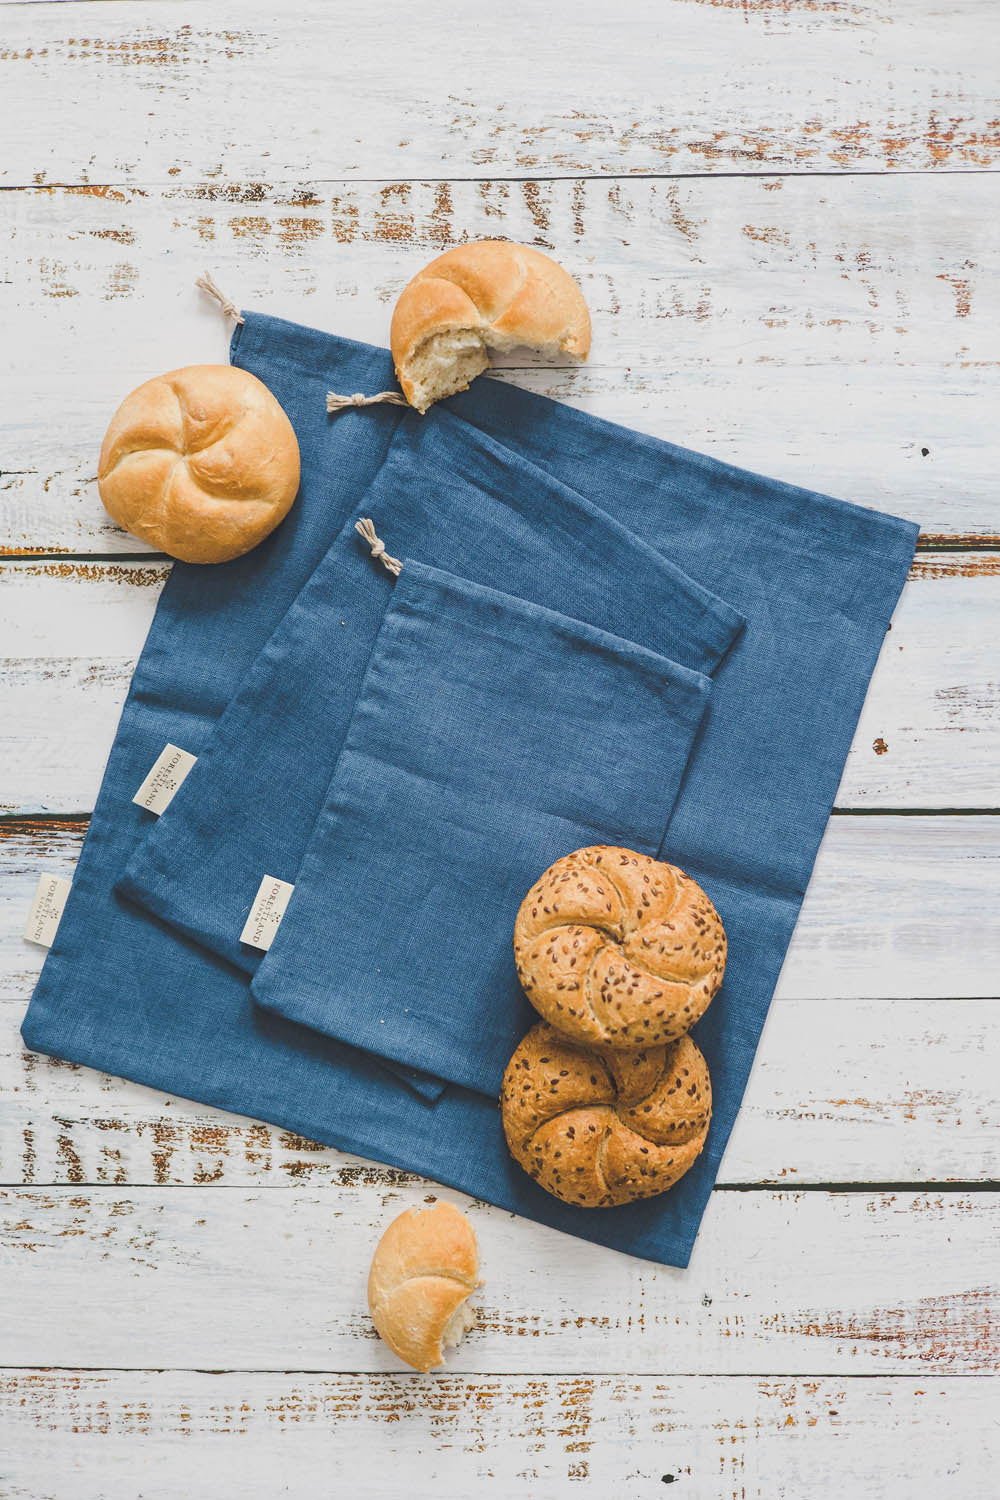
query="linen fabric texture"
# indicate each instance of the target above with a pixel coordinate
(596, 636)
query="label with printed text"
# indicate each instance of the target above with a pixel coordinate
(158, 789)
(266, 913)
(46, 909)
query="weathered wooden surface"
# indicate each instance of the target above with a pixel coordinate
(158, 1433)
(106, 1277)
(881, 918)
(783, 220)
(929, 735)
(843, 1090)
(754, 86)
(839, 333)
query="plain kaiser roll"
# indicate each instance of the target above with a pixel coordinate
(202, 462)
(425, 1268)
(617, 949)
(598, 1129)
(489, 295)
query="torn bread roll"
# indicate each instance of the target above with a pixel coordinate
(202, 463)
(425, 1268)
(489, 295)
(598, 1129)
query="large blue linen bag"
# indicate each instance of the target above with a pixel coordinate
(816, 581)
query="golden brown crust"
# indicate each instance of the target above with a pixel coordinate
(424, 1268)
(618, 950)
(201, 462)
(597, 1129)
(509, 294)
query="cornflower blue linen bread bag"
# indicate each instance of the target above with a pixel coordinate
(474, 734)
(747, 725)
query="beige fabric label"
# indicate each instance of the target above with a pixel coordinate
(273, 896)
(46, 909)
(158, 789)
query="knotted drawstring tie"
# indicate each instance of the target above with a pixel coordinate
(334, 403)
(366, 529)
(341, 403)
(205, 282)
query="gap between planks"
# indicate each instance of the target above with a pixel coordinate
(539, 177)
(442, 1372)
(74, 821)
(407, 1179)
(927, 542)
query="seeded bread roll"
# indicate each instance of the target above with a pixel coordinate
(487, 295)
(424, 1270)
(598, 1129)
(618, 950)
(201, 462)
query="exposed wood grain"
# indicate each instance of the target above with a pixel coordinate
(275, 1280)
(843, 1091)
(828, 331)
(929, 734)
(111, 1435)
(887, 915)
(814, 87)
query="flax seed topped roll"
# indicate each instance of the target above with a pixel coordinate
(617, 949)
(598, 1129)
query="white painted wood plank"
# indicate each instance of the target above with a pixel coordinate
(195, 1277)
(898, 907)
(851, 269)
(856, 432)
(929, 735)
(890, 1091)
(827, 331)
(112, 1435)
(104, 93)
(843, 1091)
(27, 851)
(71, 635)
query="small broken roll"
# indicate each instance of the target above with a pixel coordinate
(617, 949)
(489, 295)
(424, 1270)
(598, 1129)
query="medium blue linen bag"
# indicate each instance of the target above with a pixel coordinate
(816, 581)
(477, 736)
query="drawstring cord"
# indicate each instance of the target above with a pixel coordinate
(366, 529)
(334, 403)
(205, 282)
(341, 403)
